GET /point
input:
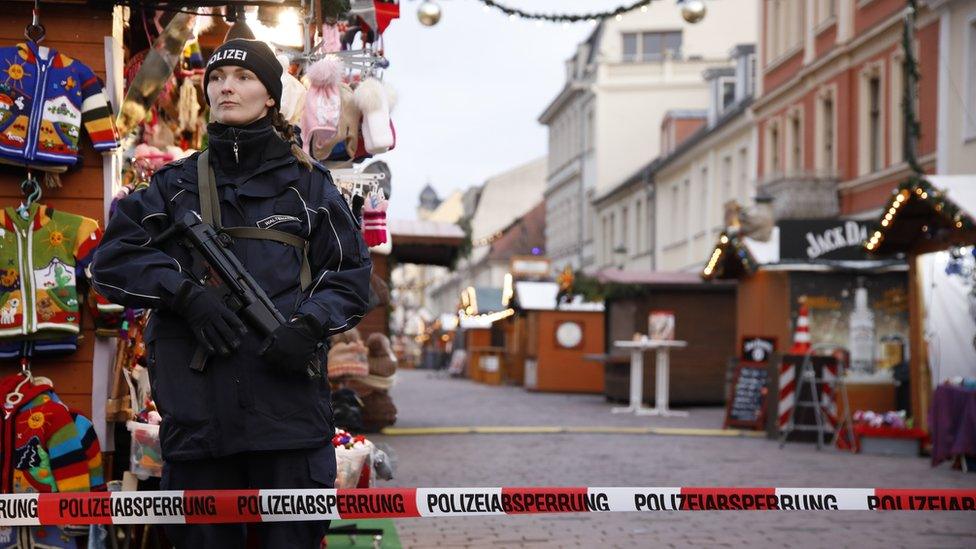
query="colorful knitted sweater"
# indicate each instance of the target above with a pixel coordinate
(40, 260)
(45, 98)
(46, 447)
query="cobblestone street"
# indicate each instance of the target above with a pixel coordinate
(591, 459)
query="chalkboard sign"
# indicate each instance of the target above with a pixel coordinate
(747, 405)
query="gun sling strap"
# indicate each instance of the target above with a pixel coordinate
(210, 212)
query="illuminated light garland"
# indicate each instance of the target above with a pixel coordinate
(731, 245)
(617, 13)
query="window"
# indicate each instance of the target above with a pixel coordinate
(827, 133)
(728, 92)
(796, 142)
(774, 166)
(743, 162)
(727, 192)
(701, 213)
(651, 46)
(685, 211)
(874, 123)
(630, 46)
(638, 228)
(613, 233)
(625, 232)
(671, 228)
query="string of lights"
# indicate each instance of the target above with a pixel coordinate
(566, 18)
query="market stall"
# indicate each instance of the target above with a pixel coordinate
(930, 221)
(704, 314)
(817, 269)
(480, 315)
(551, 338)
(96, 98)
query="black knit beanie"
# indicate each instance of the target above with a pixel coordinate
(253, 55)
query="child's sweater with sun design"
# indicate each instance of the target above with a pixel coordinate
(41, 258)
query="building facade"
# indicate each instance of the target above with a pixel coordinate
(605, 125)
(829, 114)
(501, 200)
(956, 139)
(714, 165)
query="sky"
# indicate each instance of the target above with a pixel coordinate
(470, 91)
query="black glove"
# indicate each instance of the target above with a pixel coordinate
(292, 347)
(216, 327)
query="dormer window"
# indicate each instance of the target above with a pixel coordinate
(727, 89)
(651, 46)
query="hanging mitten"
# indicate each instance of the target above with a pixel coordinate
(376, 99)
(320, 121)
(374, 220)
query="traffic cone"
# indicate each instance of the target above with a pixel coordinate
(801, 337)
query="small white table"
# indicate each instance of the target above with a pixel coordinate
(661, 348)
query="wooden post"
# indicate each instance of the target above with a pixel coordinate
(919, 376)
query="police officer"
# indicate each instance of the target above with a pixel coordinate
(253, 418)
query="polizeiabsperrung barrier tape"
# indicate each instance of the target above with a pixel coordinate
(219, 506)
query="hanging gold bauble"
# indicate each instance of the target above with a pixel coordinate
(429, 13)
(693, 11)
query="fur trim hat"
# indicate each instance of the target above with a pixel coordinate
(375, 100)
(320, 121)
(347, 131)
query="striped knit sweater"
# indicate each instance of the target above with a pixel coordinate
(46, 447)
(45, 98)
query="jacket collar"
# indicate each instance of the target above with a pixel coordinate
(270, 179)
(39, 215)
(32, 53)
(28, 390)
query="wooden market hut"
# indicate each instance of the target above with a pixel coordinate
(481, 311)
(924, 215)
(704, 317)
(822, 263)
(549, 341)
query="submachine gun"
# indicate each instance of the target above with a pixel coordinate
(219, 271)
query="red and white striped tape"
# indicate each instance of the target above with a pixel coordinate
(179, 507)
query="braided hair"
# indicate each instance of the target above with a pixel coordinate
(287, 132)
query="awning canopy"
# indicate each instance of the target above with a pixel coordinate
(425, 242)
(541, 296)
(927, 214)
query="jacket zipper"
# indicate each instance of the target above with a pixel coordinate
(236, 135)
(21, 244)
(37, 107)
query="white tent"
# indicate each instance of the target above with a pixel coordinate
(950, 301)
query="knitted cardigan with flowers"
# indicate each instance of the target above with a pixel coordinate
(40, 260)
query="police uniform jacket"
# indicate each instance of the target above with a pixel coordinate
(241, 402)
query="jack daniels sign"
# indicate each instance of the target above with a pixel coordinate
(757, 348)
(822, 239)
